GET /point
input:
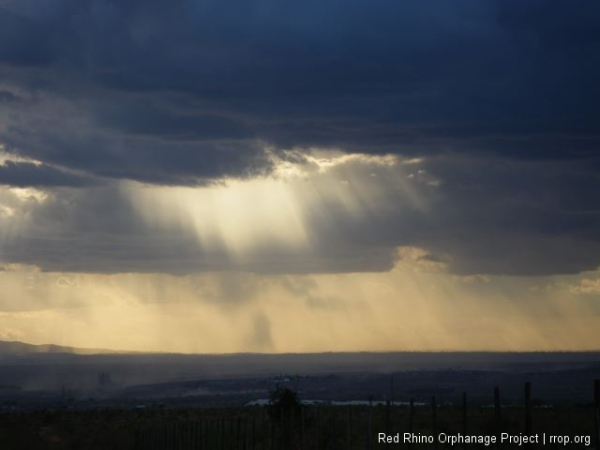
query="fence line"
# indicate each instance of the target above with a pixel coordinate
(329, 428)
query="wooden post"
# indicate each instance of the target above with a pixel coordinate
(369, 425)
(192, 434)
(597, 412)
(176, 436)
(181, 436)
(434, 422)
(195, 435)
(207, 432)
(349, 429)
(163, 435)
(280, 430)
(528, 408)
(198, 434)
(497, 412)
(302, 428)
(238, 437)
(317, 427)
(292, 428)
(184, 434)
(411, 414)
(222, 434)
(272, 425)
(464, 416)
(387, 418)
(391, 401)
(332, 445)
(253, 432)
(204, 443)
(231, 438)
(244, 434)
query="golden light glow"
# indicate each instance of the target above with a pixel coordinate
(242, 218)
(418, 305)
(408, 308)
(238, 216)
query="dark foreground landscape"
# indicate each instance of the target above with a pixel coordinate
(59, 398)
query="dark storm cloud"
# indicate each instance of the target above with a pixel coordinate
(379, 77)
(149, 120)
(498, 216)
(142, 158)
(24, 174)
(500, 96)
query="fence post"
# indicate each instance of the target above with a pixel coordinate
(349, 431)
(434, 422)
(497, 411)
(222, 434)
(293, 428)
(192, 432)
(208, 429)
(238, 433)
(205, 434)
(175, 442)
(272, 428)
(391, 401)
(162, 435)
(245, 434)
(527, 408)
(387, 417)
(332, 439)
(195, 434)
(597, 411)
(186, 434)
(411, 413)
(464, 416)
(317, 427)
(302, 430)
(370, 417)
(182, 435)
(199, 424)
(253, 440)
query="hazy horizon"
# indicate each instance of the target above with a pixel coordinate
(122, 351)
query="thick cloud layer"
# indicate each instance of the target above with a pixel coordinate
(344, 213)
(499, 99)
(172, 92)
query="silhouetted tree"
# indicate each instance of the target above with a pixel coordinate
(284, 410)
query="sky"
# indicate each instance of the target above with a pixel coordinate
(268, 176)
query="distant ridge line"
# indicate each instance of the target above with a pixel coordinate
(19, 347)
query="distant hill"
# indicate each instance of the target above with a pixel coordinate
(22, 348)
